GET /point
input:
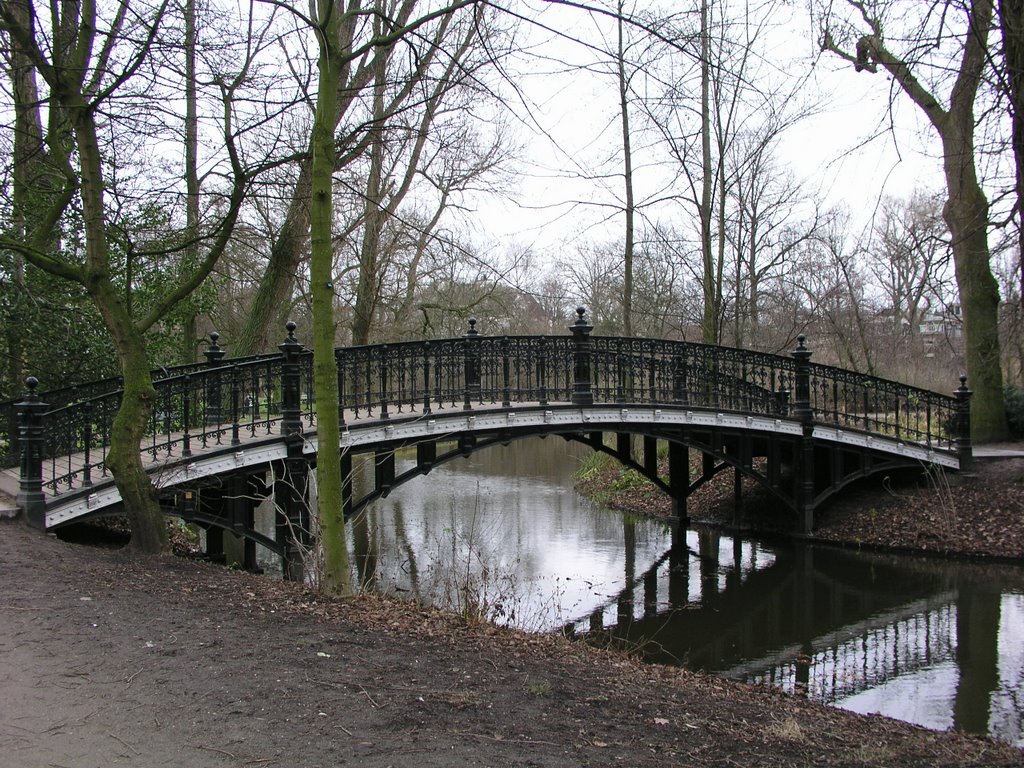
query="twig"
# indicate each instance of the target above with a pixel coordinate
(346, 730)
(132, 677)
(508, 741)
(212, 749)
(368, 696)
(118, 738)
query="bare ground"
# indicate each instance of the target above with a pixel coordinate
(108, 661)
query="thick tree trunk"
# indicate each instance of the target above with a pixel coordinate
(1011, 22)
(966, 214)
(149, 534)
(330, 513)
(124, 459)
(965, 211)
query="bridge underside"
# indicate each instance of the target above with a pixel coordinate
(221, 489)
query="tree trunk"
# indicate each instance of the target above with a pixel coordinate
(965, 210)
(966, 214)
(627, 158)
(149, 532)
(274, 292)
(330, 513)
(374, 215)
(189, 330)
(709, 323)
(1011, 23)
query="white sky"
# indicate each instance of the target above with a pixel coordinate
(575, 108)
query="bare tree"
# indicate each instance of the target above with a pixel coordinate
(833, 299)
(909, 258)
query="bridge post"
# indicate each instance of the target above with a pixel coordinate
(214, 354)
(292, 497)
(291, 383)
(471, 363)
(804, 490)
(582, 393)
(30, 436)
(679, 480)
(964, 448)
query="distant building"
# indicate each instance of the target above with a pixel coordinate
(941, 329)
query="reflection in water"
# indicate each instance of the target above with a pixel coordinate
(502, 535)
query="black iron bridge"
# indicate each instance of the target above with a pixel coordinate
(226, 433)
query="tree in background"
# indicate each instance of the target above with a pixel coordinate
(863, 38)
(105, 92)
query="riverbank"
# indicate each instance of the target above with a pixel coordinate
(978, 515)
(107, 660)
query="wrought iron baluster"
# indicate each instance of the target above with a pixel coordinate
(426, 377)
(382, 381)
(235, 399)
(339, 373)
(186, 439)
(506, 396)
(87, 445)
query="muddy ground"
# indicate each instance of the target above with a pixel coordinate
(109, 661)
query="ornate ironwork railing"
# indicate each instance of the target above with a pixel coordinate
(223, 402)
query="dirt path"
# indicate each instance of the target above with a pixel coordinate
(105, 662)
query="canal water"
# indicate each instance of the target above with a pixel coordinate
(503, 536)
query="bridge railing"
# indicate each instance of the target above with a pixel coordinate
(684, 373)
(213, 405)
(222, 402)
(848, 400)
(97, 392)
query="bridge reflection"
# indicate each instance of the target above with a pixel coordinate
(825, 623)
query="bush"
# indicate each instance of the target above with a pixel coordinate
(1014, 397)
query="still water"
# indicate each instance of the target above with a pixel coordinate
(502, 535)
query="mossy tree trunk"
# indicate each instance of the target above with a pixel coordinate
(330, 515)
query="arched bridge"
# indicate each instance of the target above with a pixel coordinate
(226, 433)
